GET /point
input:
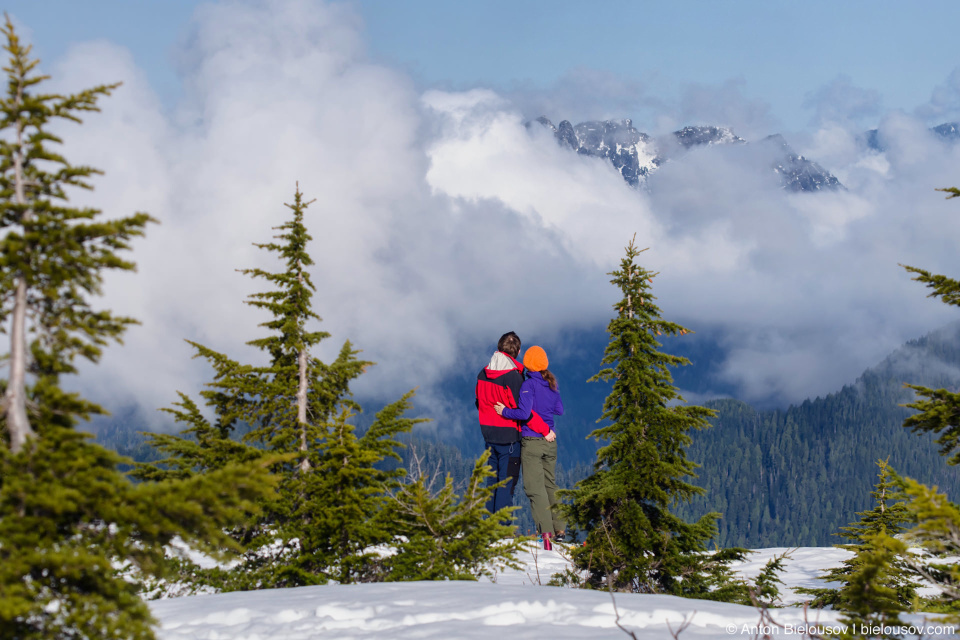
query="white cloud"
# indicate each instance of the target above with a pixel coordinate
(944, 100)
(842, 101)
(491, 155)
(442, 221)
(725, 104)
(594, 94)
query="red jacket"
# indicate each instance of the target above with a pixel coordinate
(499, 386)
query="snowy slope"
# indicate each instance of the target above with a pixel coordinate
(514, 607)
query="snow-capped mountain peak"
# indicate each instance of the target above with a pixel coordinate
(694, 136)
(636, 155)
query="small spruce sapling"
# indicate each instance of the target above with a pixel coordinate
(451, 537)
(340, 512)
(937, 533)
(765, 591)
(871, 597)
(888, 517)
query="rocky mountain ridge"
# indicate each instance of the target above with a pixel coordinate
(636, 155)
(948, 132)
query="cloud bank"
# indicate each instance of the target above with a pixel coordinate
(442, 220)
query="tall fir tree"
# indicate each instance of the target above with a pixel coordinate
(937, 528)
(634, 541)
(272, 400)
(54, 255)
(877, 568)
(69, 520)
(329, 509)
(938, 410)
(290, 304)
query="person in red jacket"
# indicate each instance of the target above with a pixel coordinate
(537, 408)
(500, 382)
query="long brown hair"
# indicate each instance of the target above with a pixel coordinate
(550, 378)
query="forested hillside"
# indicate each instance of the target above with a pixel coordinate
(779, 477)
(794, 477)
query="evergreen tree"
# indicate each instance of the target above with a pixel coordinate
(69, 521)
(938, 533)
(884, 517)
(276, 399)
(204, 446)
(938, 520)
(766, 593)
(329, 509)
(291, 370)
(871, 597)
(938, 409)
(634, 542)
(338, 512)
(450, 537)
(53, 254)
(865, 575)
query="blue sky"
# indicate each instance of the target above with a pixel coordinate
(406, 119)
(777, 53)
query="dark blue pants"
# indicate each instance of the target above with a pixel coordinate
(505, 461)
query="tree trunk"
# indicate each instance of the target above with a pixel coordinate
(302, 389)
(15, 399)
(302, 411)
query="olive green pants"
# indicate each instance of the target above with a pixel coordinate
(539, 461)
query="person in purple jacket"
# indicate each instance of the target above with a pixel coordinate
(539, 403)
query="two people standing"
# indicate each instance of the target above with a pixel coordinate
(517, 422)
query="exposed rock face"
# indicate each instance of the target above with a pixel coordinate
(635, 155)
(694, 136)
(796, 172)
(631, 152)
(949, 131)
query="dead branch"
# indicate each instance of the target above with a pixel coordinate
(683, 626)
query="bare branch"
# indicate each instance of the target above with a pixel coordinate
(683, 626)
(617, 611)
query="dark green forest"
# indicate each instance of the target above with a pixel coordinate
(794, 477)
(779, 477)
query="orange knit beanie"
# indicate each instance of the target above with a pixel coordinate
(535, 359)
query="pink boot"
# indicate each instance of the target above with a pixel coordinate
(546, 541)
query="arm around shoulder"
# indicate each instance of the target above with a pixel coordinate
(524, 403)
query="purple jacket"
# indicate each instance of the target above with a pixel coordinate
(536, 395)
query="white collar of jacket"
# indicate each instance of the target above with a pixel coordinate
(500, 362)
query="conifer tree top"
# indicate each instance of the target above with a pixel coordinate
(290, 301)
(643, 386)
(889, 514)
(634, 541)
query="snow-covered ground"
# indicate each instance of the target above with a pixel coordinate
(514, 607)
